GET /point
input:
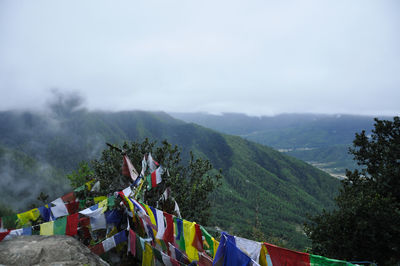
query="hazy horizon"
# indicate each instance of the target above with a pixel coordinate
(254, 57)
(73, 101)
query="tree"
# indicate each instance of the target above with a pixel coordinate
(190, 185)
(366, 223)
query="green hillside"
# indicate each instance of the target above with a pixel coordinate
(264, 193)
(322, 140)
(21, 177)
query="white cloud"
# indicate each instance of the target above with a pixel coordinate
(258, 57)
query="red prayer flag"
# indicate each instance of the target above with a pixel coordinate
(86, 232)
(204, 260)
(70, 197)
(4, 234)
(84, 221)
(128, 169)
(154, 179)
(132, 242)
(72, 207)
(198, 239)
(283, 256)
(98, 249)
(169, 230)
(72, 224)
(174, 262)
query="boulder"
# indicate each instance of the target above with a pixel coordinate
(46, 250)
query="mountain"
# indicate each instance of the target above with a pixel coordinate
(264, 193)
(322, 140)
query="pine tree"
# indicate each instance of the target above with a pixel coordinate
(190, 184)
(366, 223)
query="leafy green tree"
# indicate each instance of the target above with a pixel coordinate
(5, 211)
(190, 184)
(366, 223)
(81, 176)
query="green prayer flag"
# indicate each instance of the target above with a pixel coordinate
(179, 229)
(157, 254)
(148, 179)
(59, 226)
(139, 249)
(316, 260)
(208, 239)
(163, 246)
(81, 188)
(82, 204)
(111, 201)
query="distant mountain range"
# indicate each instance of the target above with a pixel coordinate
(259, 184)
(322, 140)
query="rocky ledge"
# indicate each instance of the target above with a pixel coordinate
(46, 250)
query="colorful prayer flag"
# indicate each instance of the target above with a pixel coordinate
(97, 249)
(132, 242)
(72, 224)
(160, 224)
(120, 237)
(180, 238)
(198, 238)
(31, 215)
(148, 258)
(168, 261)
(108, 244)
(320, 260)
(189, 230)
(69, 197)
(128, 169)
(155, 177)
(151, 164)
(59, 208)
(208, 243)
(169, 230)
(60, 225)
(283, 256)
(47, 229)
(250, 247)
(228, 253)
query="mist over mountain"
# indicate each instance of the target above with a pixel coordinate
(323, 140)
(37, 150)
(295, 130)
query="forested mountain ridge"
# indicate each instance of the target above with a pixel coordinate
(321, 139)
(259, 183)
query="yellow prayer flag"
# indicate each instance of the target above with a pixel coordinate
(131, 208)
(35, 214)
(31, 215)
(47, 229)
(100, 198)
(150, 213)
(148, 257)
(189, 232)
(103, 204)
(23, 218)
(140, 188)
(113, 231)
(263, 256)
(89, 184)
(216, 244)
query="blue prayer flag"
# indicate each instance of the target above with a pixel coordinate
(120, 237)
(113, 217)
(27, 231)
(45, 213)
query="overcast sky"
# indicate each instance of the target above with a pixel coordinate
(257, 57)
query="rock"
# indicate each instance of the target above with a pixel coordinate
(46, 250)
